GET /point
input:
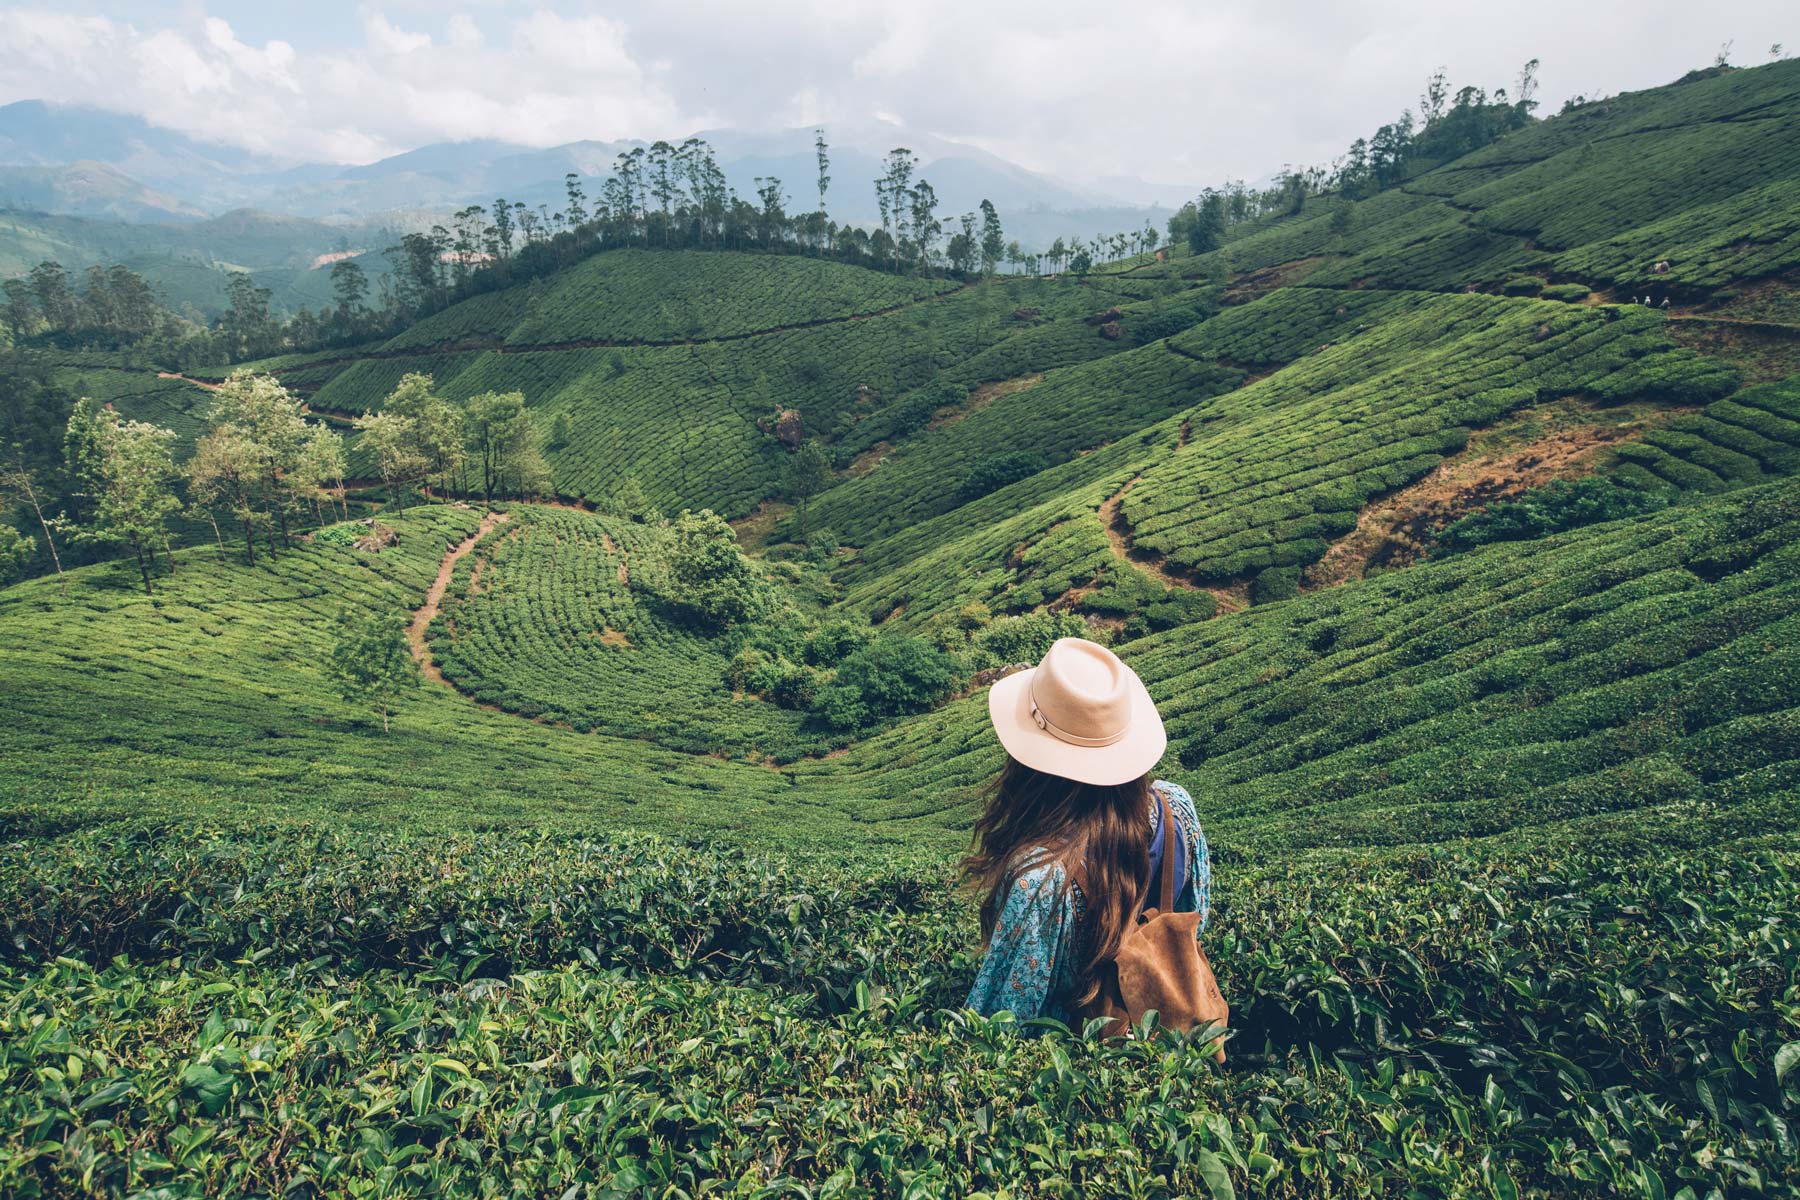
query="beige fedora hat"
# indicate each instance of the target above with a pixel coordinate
(1081, 714)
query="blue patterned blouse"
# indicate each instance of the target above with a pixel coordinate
(1029, 965)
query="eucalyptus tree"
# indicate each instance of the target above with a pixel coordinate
(126, 470)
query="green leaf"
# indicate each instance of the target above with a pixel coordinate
(1786, 1059)
(1212, 1169)
(211, 1087)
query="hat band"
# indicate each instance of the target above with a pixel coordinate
(1062, 735)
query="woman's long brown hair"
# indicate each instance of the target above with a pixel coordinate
(1106, 828)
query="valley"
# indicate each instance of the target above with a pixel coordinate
(1468, 588)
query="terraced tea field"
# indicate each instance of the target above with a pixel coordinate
(1506, 832)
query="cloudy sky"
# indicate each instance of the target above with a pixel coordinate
(1166, 90)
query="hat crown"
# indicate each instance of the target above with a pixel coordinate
(1080, 693)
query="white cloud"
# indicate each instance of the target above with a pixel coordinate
(1165, 89)
(554, 79)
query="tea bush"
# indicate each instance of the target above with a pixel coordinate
(1559, 505)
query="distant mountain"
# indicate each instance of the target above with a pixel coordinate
(187, 261)
(89, 189)
(159, 174)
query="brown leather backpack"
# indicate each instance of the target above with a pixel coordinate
(1159, 964)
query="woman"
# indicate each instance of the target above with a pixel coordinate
(1066, 847)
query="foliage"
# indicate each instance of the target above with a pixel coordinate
(1026, 638)
(1275, 583)
(1559, 505)
(371, 662)
(832, 642)
(16, 552)
(889, 677)
(126, 472)
(708, 577)
(992, 474)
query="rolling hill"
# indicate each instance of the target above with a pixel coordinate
(1506, 830)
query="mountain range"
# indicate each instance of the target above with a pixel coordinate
(83, 161)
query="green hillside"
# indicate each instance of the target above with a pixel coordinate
(1468, 588)
(185, 262)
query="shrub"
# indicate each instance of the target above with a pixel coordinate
(821, 544)
(709, 579)
(834, 641)
(1568, 293)
(889, 677)
(1275, 583)
(1559, 505)
(1181, 608)
(1025, 638)
(992, 474)
(1523, 285)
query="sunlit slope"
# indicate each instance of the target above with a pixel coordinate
(1639, 665)
(550, 617)
(683, 419)
(1599, 195)
(1375, 392)
(646, 296)
(1635, 670)
(210, 700)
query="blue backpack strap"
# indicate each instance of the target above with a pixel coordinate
(1162, 843)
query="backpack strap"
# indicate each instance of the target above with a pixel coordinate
(1162, 887)
(1166, 880)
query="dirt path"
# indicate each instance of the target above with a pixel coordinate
(415, 632)
(491, 346)
(1118, 536)
(199, 383)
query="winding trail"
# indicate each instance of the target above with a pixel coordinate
(1118, 536)
(434, 596)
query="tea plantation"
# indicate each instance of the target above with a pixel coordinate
(1506, 840)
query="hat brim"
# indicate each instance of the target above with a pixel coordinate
(1009, 708)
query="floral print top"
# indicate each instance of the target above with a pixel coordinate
(1029, 965)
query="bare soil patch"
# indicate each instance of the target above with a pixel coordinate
(755, 527)
(869, 459)
(1763, 351)
(1251, 284)
(1530, 448)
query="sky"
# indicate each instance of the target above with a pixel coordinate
(1165, 90)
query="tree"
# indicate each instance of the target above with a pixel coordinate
(349, 288)
(225, 470)
(708, 576)
(246, 324)
(389, 436)
(887, 677)
(819, 151)
(576, 211)
(424, 437)
(16, 551)
(1528, 85)
(628, 500)
(993, 238)
(319, 471)
(18, 478)
(505, 442)
(371, 662)
(127, 471)
(250, 457)
(808, 474)
(55, 298)
(1437, 91)
(561, 430)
